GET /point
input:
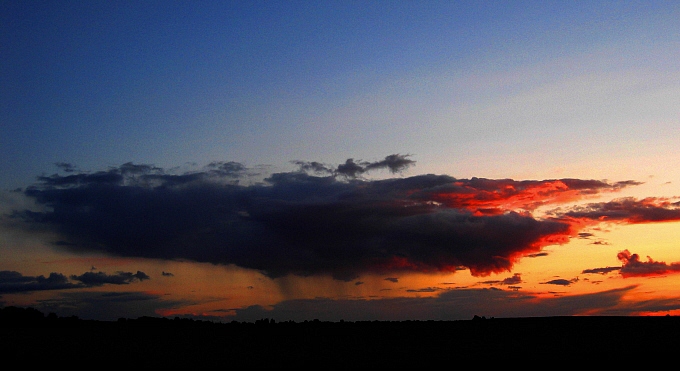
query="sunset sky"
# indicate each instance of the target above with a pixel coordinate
(340, 160)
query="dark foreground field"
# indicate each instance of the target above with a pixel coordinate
(159, 342)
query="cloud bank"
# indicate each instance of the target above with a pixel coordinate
(321, 219)
(12, 282)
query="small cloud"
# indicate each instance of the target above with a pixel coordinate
(515, 279)
(392, 279)
(425, 289)
(634, 267)
(600, 270)
(561, 282)
(65, 167)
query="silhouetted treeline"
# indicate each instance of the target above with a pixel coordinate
(150, 341)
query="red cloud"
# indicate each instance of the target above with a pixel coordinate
(494, 196)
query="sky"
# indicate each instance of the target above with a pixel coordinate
(340, 160)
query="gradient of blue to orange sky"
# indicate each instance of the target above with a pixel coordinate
(340, 160)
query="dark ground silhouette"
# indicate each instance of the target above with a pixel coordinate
(27, 335)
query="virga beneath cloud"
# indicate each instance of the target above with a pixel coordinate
(322, 219)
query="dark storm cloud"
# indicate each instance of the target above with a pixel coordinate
(319, 219)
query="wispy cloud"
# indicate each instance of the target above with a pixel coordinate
(353, 168)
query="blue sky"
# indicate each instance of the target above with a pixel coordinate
(137, 91)
(103, 83)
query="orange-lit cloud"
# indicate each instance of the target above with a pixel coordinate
(495, 196)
